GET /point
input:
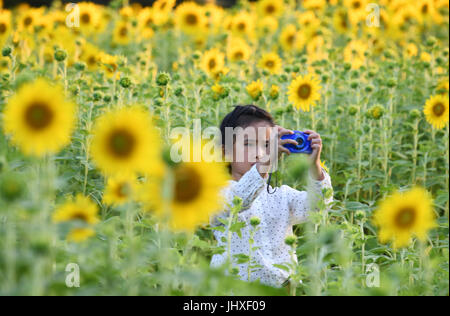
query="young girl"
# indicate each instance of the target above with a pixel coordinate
(279, 211)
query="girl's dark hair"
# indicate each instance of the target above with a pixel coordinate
(243, 116)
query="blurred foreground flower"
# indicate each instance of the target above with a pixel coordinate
(188, 194)
(39, 119)
(404, 214)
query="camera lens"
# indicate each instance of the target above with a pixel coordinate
(300, 142)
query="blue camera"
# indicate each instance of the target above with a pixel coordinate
(304, 145)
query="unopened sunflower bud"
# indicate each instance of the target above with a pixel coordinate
(255, 221)
(431, 41)
(369, 88)
(290, 240)
(376, 111)
(162, 79)
(391, 83)
(353, 110)
(125, 82)
(6, 51)
(11, 187)
(60, 55)
(354, 84)
(178, 91)
(274, 92)
(97, 96)
(237, 201)
(79, 66)
(414, 114)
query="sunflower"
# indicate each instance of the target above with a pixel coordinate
(90, 17)
(110, 65)
(39, 118)
(190, 17)
(356, 10)
(125, 141)
(148, 18)
(164, 7)
(411, 50)
(341, 21)
(308, 22)
(354, 53)
(267, 25)
(270, 62)
(123, 33)
(291, 39)
(215, 16)
(81, 209)
(80, 234)
(404, 214)
(304, 92)
(436, 110)
(270, 8)
(91, 56)
(427, 12)
(255, 89)
(243, 24)
(5, 25)
(213, 61)
(194, 192)
(238, 49)
(28, 18)
(314, 4)
(317, 49)
(119, 190)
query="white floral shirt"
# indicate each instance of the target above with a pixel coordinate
(278, 212)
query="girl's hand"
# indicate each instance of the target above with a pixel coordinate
(281, 132)
(316, 145)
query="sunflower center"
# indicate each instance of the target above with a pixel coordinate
(238, 55)
(38, 116)
(80, 215)
(191, 19)
(187, 184)
(85, 18)
(304, 91)
(438, 109)
(149, 22)
(405, 218)
(212, 63)
(270, 9)
(28, 20)
(425, 9)
(123, 31)
(92, 60)
(270, 64)
(122, 143)
(241, 26)
(2, 28)
(123, 190)
(356, 5)
(290, 39)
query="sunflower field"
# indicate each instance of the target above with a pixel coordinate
(92, 204)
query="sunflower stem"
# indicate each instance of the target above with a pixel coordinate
(416, 139)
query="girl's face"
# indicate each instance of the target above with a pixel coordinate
(252, 145)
